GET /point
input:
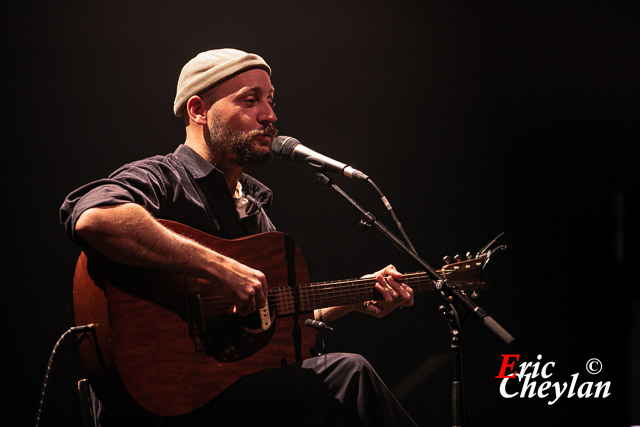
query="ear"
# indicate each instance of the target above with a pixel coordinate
(197, 110)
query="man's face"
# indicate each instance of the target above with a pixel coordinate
(240, 120)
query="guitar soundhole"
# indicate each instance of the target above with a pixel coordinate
(231, 337)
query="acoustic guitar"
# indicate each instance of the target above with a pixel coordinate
(168, 343)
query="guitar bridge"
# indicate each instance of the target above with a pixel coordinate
(265, 318)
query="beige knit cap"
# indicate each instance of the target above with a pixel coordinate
(208, 69)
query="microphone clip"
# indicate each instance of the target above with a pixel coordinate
(321, 327)
(318, 325)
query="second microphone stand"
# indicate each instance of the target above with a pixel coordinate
(452, 296)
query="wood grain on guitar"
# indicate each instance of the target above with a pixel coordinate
(168, 343)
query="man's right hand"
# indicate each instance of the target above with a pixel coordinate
(128, 234)
(245, 287)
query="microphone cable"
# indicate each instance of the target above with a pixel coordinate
(386, 203)
(63, 337)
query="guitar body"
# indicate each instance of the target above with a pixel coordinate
(150, 348)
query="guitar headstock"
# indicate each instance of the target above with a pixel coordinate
(471, 268)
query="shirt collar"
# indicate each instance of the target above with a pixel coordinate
(199, 168)
(193, 162)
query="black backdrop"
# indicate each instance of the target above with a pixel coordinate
(474, 119)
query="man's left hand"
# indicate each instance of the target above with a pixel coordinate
(394, 293)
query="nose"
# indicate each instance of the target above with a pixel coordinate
(266, 114)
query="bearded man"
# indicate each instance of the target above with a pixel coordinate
(225, 98)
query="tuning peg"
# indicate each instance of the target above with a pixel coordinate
(469, 255)
(447, 259)
(457, 257)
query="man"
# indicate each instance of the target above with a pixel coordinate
(225, 98)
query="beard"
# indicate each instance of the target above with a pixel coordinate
(231, 146)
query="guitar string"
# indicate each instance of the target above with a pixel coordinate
(308, 291)
(321, 289)
(286, 298)
(311, 295)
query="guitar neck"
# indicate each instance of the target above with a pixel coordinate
(306, 298)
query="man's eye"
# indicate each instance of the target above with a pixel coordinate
(273, 104)
(250, 101)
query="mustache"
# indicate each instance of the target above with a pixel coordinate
(269, 130)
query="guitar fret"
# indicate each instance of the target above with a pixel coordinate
(325, 294)
(305, 298)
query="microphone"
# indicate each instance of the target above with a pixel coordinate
(290, 148)
(317, 324)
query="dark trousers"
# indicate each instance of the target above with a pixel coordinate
(337, 389)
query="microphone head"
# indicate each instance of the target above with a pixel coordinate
(283, 146)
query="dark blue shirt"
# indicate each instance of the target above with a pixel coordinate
(180, 186)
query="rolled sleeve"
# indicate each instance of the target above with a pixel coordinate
(128, 185)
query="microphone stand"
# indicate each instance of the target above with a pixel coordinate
(452, 296)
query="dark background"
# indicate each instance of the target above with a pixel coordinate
(473, 118)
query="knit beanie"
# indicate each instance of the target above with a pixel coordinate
(208, 69)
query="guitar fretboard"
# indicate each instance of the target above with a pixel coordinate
(306, 298)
